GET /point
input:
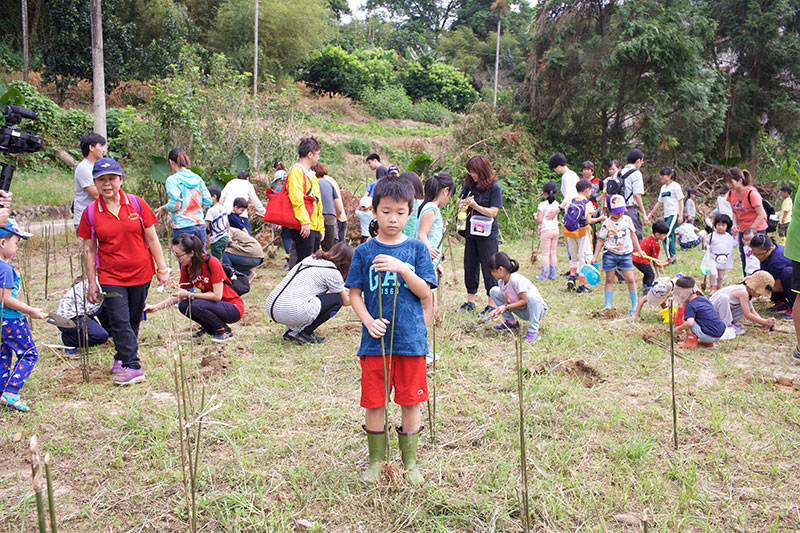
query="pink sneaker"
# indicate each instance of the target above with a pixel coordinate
(116, 368)
(130, 376)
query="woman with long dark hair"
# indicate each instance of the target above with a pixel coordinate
(188, 197)
(211, 302)
(311, 293)
(482, 197)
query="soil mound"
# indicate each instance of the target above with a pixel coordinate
(576, 369)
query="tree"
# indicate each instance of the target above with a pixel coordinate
(432, 15)
(758, 44)
(289, 30)
(605, 75)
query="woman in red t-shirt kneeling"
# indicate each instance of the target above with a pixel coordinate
(213, 304)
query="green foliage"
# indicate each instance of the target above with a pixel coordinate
(332, 70)
(71, 125)
(762, 40)
(46, 110)
(441, 83)
(331, 154)
(11, 59)
(159, 168)
(288, 32)
(357, 146)
(431, 112)
(629, 73)
(779, 161)
(391, 102)
(421, 164)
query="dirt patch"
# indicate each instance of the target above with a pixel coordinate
(609, 314)
(97, 376)
(653, 334)
(391, 478)
(214, 364)
(782, 383)
(576, 369)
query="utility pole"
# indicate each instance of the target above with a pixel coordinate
(25, 41)
(255, 54)
(98, 74)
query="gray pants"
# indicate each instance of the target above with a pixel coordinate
(534, 312)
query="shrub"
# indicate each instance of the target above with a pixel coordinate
(71, 125)
(431, 112)
(439, 83)
(357, 146)
(390, 102)
(46, 110)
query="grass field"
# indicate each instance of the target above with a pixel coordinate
(47, 185)
(598, 425)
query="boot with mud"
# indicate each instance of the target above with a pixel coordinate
(690, 342)
(376, 441)
(408, 452)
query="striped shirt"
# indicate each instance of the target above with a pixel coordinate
(293, 302)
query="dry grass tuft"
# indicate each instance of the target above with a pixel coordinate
(576, 369)
(391, 478)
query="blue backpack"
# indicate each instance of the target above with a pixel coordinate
(575, 218)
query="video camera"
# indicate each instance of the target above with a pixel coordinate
(15, 141)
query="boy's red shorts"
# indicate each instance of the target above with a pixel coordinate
(408, 377)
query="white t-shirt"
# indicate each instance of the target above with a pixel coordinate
(720, 250)
(568, 182)
(218, 219)
(546, 208)
(83, 179)
(671, 196)
(617, 235)
(724, 206)
(686, 232)
(237, 188)
(751, 262)
(634, 184)
(518, 283)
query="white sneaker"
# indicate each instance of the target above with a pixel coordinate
(431, 357)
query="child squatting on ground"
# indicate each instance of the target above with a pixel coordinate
(515, 295)
(387, 269)
(701, 322)
(617, 241)
(16, 335)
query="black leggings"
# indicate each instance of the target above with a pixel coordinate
(305, 246)
(649, 274)
(476, 260)
(330, 305)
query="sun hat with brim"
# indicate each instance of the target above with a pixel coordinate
(659, 292)
(106, 165)
(11, 228)
(760, 282)
(616, 204)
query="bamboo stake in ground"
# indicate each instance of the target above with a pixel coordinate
(672, 364)
(38, 483)
(46, 251)
(522, 450)
(84, 333)
(51, 499)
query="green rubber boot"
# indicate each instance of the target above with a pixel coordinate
(376, 440)
(408, 451)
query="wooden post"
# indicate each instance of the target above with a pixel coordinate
(98, 72)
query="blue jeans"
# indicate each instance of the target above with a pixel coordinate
(199, 231)
(534, 312)
(241, 263)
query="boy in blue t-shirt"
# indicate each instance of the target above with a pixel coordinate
(16, 335)
(238, 219)
(701, 321)
(390, 262)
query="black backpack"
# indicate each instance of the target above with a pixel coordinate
(617, 185)
(233, 278)
(767, 205)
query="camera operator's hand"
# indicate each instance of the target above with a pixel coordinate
(5, 203)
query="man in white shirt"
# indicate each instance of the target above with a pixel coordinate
(569, 179)
(633, 191)
(93, 147)
(241, 187)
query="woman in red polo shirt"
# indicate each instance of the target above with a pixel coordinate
(121, 246)
(213, 304)
(747, 204)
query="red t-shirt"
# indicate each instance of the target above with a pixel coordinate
(744, 206)
(206, 280)
(650, 246)
(121, 248)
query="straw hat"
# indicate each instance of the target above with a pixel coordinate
(760, 282)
